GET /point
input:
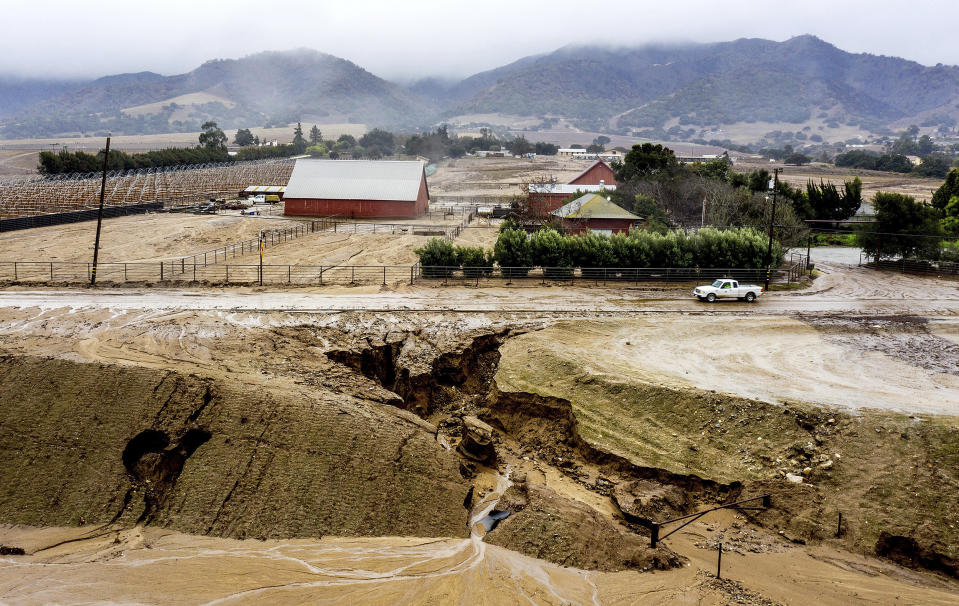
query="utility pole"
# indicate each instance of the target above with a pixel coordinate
(772, 221)
(96, 242)
(703, 224)
(262, 246)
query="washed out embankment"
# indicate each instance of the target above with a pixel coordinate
(888, 473)
(131, 445)
(452, 388)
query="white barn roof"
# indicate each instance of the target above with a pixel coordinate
(563, 188)
(355, 180)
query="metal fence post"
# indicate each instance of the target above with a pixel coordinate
(14, 271)
(384, 275)
(124, 272)
(227, 267)
(161, 271)
(51, 271)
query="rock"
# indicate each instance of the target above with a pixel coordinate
(806, 471)
(648, 500)
(518, 477)
(793, 478)
(827, 464)
(477, 442)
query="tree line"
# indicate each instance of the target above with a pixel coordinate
(517, 251)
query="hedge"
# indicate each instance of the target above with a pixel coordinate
(516, 252)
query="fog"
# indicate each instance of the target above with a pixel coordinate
(412, 39)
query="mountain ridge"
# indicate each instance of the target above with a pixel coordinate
(625, 89)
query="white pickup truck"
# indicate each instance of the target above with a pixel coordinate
(724, 288)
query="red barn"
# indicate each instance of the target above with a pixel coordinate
(594, 213)
(383, 189)
(599, 173)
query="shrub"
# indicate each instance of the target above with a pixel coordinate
(437, 257)
(553, 252)
(474, 260)
(557, 254)
(513, 253)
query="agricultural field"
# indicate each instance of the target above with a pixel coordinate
(165, 236)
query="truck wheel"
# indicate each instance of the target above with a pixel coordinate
(711, 297)
(700, 298)
(750, 297)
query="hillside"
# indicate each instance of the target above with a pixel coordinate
(746, 80)
(266, 88)
(802, 81)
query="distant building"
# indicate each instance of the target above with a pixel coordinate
(599, 173)
(385, 189)
(594, 213)
(578, 153)
(547, 197)
(258, 190)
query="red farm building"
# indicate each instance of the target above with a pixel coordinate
(383, 189)
(594, 213)
(544, 198)
(599, 173)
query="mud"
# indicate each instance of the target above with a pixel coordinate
(905, 338)
(112, 444)
(351, 424)
(545, 525)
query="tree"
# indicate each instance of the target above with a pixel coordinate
(932, 166)
(595, 148)
(546, 149)
(601, 140)
(378, 143)
(316, 137)
(825, 201)
(243, 137)
(299, 143)
(645, 161)
(796, 159)
(318, 151)
(904, 228)
(520, 146)
(947, 190)
(212, 137)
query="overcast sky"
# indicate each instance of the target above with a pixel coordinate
(408, 38)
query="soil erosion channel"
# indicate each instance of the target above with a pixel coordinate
(428, 458)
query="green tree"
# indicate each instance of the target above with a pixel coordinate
(947, 190)
(299, 143)
(212, 137)
(519, 146)
(904, 228)
(932, 166)
(243, 137)
(646, 161)
(826, 202)
(378, 143)
(316, 137)
(513, 253)
(318, 151)
(796, 159)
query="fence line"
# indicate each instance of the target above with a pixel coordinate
(225, 273)
(915, 266)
